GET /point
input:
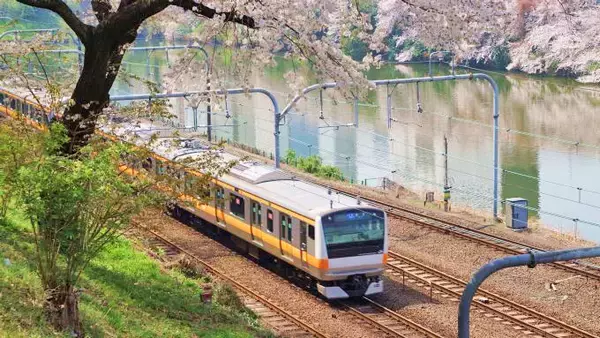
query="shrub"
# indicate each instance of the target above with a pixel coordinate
(313, 165)
(500, 57)
(225, 295)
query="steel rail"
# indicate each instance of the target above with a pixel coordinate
(236, 284)
(398, 327)
(519, 314)
(484, 238)
(468, 233)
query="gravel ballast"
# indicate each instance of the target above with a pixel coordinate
(574, 300)
(409, 300)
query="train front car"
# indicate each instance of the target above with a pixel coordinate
(354, 241)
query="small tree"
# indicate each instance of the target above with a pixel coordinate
(76, 207)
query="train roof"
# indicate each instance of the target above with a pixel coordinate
(264, 181)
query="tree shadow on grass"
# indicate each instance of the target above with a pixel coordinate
(144, 288)
(19, 239)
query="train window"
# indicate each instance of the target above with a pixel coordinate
(303, 236)
(220, 197)
(269, 220)
(256, 218)
(2, 98)
(13, 104)
(25, 109)
(311, 231)
(286, 227)
(236, 205)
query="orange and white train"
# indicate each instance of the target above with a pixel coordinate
(334, 242)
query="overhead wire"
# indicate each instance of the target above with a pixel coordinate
(475, 162)
(457, 170)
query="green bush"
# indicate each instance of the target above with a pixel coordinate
(593, 66)
(225, 295)
(500, 57)
(355, 48)
(313, 165)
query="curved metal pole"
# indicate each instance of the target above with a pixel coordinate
(75, 40)
(531, 260)
(483, 76)
(207, 68)
(437, 52)
(8, 18)
(205, 92)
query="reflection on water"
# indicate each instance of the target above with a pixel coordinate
(547, 171)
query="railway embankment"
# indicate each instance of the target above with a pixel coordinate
(307, 307)
(124, 293)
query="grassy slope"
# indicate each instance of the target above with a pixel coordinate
(125, 294)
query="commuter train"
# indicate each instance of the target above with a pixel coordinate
(336, 243)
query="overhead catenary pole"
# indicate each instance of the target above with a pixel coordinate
(530, 259)
(446, 185)
(495, 113)
(438, 52)
(220, 92)
(388, 106)
(208, 109)
(75, 40)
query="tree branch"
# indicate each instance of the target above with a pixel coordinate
(62, 9)
(201, 9)
(101, 9)
(131, 15)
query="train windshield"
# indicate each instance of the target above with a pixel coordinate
(354, 232)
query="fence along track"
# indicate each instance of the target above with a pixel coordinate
(530, 322)
(283, 322)
(387, 320)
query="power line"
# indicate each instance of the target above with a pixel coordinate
(473, 162)
(457, 170)
(469, 192)
(459, 189)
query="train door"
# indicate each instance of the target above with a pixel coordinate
(220, 205)
(303, 244)
(285, 235)
(256, 221)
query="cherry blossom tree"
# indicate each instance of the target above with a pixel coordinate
(263, 25)
(305, 29)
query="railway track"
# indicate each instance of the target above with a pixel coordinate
(388, 321)
(473, 235)
(282, 322)
(495, 242)
(528, 321)
(287, 325)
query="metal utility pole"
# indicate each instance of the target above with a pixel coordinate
(446, 186)
(208, 113)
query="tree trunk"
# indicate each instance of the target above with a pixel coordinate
(62, 310)
(103, 56)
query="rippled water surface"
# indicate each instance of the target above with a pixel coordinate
(557, 172)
